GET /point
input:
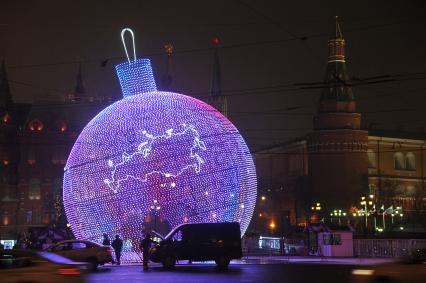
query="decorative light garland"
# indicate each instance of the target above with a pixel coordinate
(156, 155)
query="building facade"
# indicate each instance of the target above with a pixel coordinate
(35, 140)
(339, 170)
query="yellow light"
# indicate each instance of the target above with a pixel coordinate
(370, 202)
(371, 196)
(401, 228)
(263, 197)
(68, 225)
(362, 198)
(260, 214)
(354, 214)
(364, 272)
(363, 202)
(344, 213)
(318, 204)
(272, 225)
(312, 208)
(318, 208)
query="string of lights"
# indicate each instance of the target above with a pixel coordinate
(151, 155)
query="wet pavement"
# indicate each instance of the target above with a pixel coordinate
(242, 271)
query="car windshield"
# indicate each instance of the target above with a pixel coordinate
(173, 231)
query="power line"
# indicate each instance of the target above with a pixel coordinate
(237, 45)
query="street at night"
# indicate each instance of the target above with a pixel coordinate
(252, 271)
(212, 141)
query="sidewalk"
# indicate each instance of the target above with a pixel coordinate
(286, 259)
(319, 260)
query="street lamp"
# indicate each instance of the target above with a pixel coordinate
(272, 226)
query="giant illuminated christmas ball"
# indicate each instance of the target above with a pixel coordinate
(153, 160)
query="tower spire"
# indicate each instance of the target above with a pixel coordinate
(336, 96)
(79, 90)
(167, 80)
(338, 29)
(5, 95)
(216, 99)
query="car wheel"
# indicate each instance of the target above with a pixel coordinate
(222, 261)
(169, 262)
(93, 263)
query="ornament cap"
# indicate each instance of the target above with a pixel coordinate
(136, 77)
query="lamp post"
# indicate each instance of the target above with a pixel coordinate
(154, 208)
(338, 213)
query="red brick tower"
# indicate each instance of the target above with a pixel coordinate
(337, 147)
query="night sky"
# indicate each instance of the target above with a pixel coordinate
(265, 48)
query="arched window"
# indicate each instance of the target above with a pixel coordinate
(398, 161)
(34, 189)
(371, 159)
(35, 125)
(61, 125)
(6, 118)
(410, 161)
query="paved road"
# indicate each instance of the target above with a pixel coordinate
(247, 272)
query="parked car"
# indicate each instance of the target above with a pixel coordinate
(220, 242)
(43, 267)
(80, 250)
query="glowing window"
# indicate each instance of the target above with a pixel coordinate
(6, 118)
(410, 161)
(371, 159)
(35, 125)
(398, 161)
(62, 126)
(34, 189)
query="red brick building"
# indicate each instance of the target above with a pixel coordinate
(35, 140)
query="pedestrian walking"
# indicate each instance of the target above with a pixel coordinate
(117, 245)
(107, 242)
(144, 246)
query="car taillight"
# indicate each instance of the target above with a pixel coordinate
(69, 271)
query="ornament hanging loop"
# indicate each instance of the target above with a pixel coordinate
(123, 31)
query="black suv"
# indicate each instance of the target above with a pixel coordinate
(220, 242)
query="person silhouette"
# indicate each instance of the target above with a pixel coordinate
(144, 246)
(117, 245)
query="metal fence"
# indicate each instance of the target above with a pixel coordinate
(387, 247)
(362, 247)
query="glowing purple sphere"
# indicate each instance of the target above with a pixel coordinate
(154, 160)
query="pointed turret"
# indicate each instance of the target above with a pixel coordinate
(337, 139)
(336, 96)
(5, 95)
(79, 90)
(216, 99)
(167, 80)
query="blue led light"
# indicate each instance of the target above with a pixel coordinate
(156, 154)
(136, 77)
